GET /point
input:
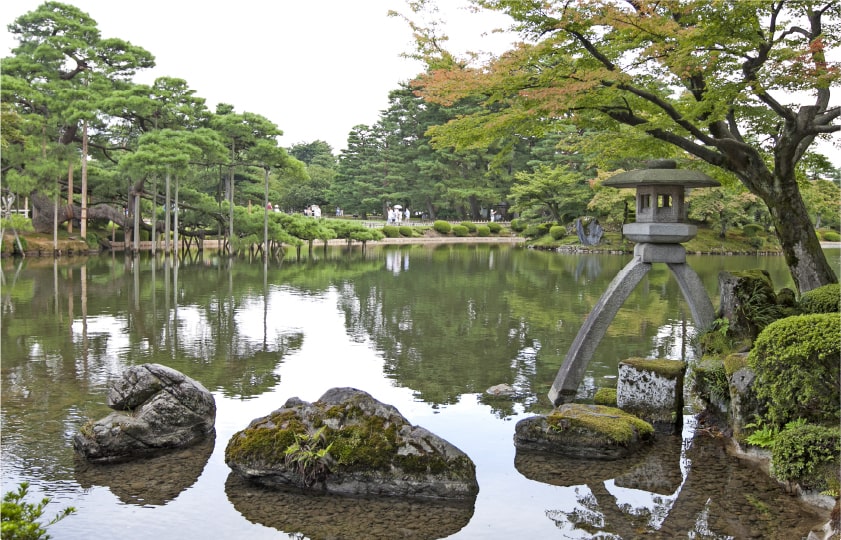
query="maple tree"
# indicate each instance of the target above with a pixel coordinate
(720, 83)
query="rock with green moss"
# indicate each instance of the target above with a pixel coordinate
(349, 443)
(605, 396)
(652, 389)
(748, 301)
(584, 431)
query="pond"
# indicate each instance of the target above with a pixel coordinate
(427, 329)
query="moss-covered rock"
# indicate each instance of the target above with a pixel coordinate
(605, 396)
(652, 389)
(584, 431)
(748, 301)
(349, 443)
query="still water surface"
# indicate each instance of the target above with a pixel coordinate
(426, 329)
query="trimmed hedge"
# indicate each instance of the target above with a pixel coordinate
(831, 236)
(518, 225)
(826, 299)
(809, 455)
(557, 232)
(494, 227)
(796, 364)
(442, 226)
(483, 230)
(470, 225)
(406, 230)
(391, 231)
(460, 230)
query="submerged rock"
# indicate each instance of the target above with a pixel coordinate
(349, 443)
(156, 408)
(584, 431)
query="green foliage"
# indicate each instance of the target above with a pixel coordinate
(557, 231)
(831, 236)
(309, 456)
(442, 226)
(752, 229)
(709, 380)
(494, 227)
(826, 299)
(558, 190)
(518, 225)
(615, 68)
(483, 230)
(763, 436)
(471, 227)
(460, 231)
(20, 519)
(796, 364)
(536, 230)
(407, 231)
(808, 454)
(391, 231)
(17, 222)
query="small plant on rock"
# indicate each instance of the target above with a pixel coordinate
(309, 456)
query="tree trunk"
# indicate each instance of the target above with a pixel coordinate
(800, 244)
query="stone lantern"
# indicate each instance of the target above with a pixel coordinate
(658, 231)
(661, 207)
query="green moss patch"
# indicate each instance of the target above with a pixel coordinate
(605, 396)
(668, 369)
(614, 424)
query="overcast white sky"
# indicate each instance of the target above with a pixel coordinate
(314, 68)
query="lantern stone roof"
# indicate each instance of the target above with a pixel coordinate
(661, 172)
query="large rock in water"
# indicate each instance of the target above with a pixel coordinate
(349, 443)
(584, 431)
(156, 408)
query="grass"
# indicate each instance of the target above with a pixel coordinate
(707, 241)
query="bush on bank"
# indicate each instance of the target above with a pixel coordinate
(442, 226)
(826, 299)
(796, 365)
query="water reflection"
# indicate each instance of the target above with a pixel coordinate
(427, 337)
(680, 488)
(153, 481)
(308, 515)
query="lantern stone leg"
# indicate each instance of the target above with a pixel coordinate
(592, 331)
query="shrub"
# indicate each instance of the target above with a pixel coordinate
(826, 299)
(557, 231)
(831, 236)
(460, 230)
(390, 231)
(17, 222)
(20, 518)
(537, 230)
(494, 227)
(407, 231)
(483, 230)
(442, 226)
(796, 364)
(809, 455)
(470, 225)
(751, 230)
(518, 225)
